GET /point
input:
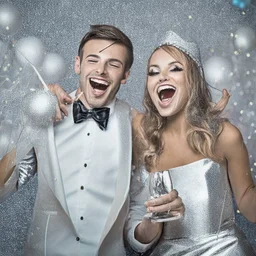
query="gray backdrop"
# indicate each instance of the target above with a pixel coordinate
(60, 24)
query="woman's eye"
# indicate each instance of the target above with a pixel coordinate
(152, 73)
(176, 69)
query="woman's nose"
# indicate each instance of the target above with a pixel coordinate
(163, 77)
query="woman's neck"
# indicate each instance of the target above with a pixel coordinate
(177, 124)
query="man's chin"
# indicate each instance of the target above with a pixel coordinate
(98, 103)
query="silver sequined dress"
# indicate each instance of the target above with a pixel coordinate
(208, 226)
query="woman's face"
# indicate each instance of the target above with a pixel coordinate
(166, 83)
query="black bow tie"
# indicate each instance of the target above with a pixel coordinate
(100, 115)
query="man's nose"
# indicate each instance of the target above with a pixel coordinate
(101, 68)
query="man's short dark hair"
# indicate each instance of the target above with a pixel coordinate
(108, 32)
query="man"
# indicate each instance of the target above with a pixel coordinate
(84, 167)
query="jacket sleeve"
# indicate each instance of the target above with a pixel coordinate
(139, 194)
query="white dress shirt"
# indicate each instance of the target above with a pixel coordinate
(90, 163)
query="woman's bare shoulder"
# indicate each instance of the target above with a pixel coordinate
(230, 133)
(229, 139)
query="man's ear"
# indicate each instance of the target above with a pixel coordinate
(77, 66)
(126, 75)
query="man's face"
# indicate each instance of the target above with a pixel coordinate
(102, 70)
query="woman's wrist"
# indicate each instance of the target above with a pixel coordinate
(147, 231)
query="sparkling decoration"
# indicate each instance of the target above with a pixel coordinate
(39, 108)
(210, 25)
(10, 19)
(218, 70)
(53, 67)
(245, 39)
(241, 3)
(30, 49)
(3, 48)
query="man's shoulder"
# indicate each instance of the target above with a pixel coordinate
(121, 104)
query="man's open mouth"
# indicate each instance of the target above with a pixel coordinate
(166, 92)
(99, 84)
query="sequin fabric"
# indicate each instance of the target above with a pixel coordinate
(208, 226)
(27, 168)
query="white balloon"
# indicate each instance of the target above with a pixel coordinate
(217, 70)
(53, 67)
(10, 19)
(245, 39)
(39, 108)
(30, 49)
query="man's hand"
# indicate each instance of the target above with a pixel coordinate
(220, 106)
(63, 99)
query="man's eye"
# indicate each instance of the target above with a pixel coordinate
(114, 65)
(92, 61)
(152, 73)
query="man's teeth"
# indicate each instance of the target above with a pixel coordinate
(99, 81)
(165, 87)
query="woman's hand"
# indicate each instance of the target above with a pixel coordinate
(63, 99)
(170, 202)
(222, 103)
(146, 231)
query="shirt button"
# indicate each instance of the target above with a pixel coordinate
(77, 239)
(85, 165)
(88, 134)
(82, 187)
(81, 218)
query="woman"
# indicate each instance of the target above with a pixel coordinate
(182, 134)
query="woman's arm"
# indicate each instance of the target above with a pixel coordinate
(63, 99)
(235, 152)
(141, 233)
(7, 166)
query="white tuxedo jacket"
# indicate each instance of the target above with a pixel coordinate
(52, 231)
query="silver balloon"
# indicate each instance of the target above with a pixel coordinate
(10, 19)
(218, 70)
(30, 49)
(39, 108)
(53, 67)
(245, 39)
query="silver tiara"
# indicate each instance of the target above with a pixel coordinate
(190, 48)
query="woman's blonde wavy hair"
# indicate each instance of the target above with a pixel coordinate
(205, 122)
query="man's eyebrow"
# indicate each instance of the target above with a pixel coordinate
(92, 55)
(109, 60)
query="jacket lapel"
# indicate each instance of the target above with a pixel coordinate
(123, 119)
(51, 169)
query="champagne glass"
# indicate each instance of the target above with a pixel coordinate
(160, 183)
